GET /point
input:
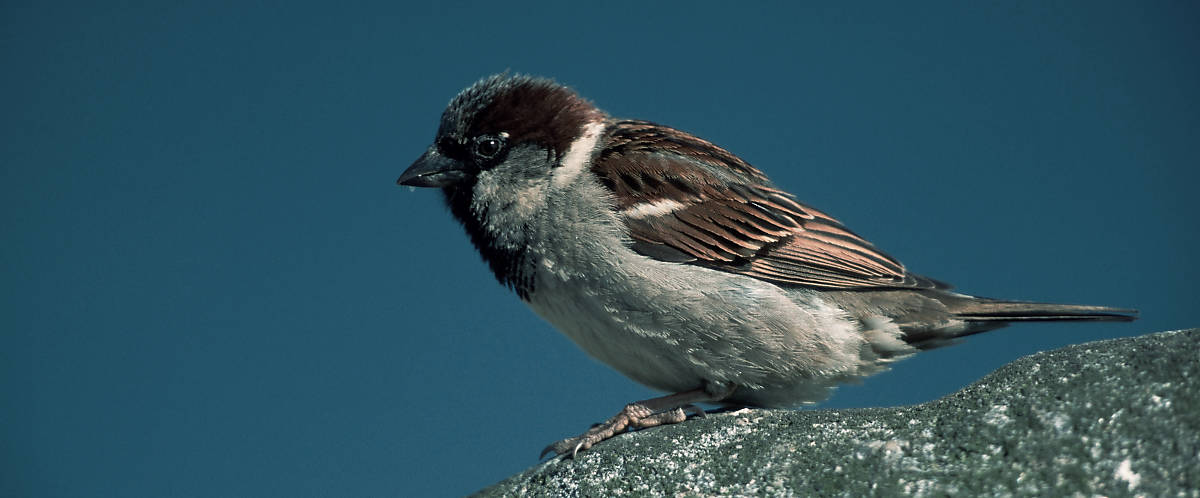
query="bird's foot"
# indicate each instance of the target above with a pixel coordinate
(634, 415)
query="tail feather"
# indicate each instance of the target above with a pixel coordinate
(934, 318)
(993, 310)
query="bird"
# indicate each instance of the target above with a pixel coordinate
(679, 264)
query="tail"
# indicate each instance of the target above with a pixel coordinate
(981, 314)
(993, 310)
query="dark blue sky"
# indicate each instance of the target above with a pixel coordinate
(212, 287)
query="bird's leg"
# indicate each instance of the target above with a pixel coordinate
(670, 409)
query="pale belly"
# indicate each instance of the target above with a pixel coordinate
(675, 332)
(620, 336)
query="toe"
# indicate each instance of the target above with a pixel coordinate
(694, 411)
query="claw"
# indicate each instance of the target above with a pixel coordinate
(693, 411)
(669, 409)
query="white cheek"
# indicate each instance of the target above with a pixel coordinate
(530, 200)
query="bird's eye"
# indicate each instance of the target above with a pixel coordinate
(488, 147)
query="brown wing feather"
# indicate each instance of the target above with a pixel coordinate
(687, 200)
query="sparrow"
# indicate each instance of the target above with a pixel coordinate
(679, 264)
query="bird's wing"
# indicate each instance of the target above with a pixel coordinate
(686, 200)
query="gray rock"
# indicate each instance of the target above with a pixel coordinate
(1117, 418)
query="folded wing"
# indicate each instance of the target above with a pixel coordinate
(686, 200)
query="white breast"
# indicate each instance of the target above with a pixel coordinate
(672, 326)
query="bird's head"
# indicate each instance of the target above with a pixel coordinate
(523, 124)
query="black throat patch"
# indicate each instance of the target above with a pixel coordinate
(511, 266)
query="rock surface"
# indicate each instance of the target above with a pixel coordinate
(1117, 418)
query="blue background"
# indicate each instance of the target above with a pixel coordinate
(212, 287)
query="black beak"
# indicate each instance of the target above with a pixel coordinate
(433, 170)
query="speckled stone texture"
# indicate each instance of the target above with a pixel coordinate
(1115, 418)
